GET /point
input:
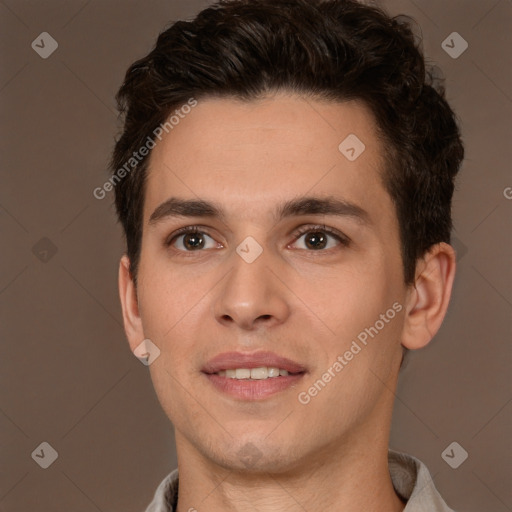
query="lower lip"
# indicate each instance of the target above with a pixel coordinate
(246, 389)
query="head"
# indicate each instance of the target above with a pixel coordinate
(263, 95)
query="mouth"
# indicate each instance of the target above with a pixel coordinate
(252, 376)
(260, 373)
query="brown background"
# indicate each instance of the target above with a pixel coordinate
(67, 375)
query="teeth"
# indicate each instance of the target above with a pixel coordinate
(261, 373)
(242, 373)
(273, 372)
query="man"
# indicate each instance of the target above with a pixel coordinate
(284, 180)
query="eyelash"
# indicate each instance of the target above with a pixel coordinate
(197, 230)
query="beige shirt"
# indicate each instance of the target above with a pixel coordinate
(410, 477)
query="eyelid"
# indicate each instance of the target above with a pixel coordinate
(185, 231)
(310, 228)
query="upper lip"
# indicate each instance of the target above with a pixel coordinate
(232, 360)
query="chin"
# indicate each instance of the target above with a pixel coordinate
(254, 457)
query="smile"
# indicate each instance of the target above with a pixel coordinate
(261, 373)
(252, 376)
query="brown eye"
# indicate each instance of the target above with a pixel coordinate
(315, 240)
(193, 241)
(190, 240)
(318, 238)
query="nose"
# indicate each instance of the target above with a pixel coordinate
(251, 296)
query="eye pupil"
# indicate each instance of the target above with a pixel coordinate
(193, 241)
(316, 240)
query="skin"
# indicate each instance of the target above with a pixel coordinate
(303, 303)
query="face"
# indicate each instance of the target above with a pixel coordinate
(278, 314)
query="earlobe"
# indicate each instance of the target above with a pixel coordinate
(129, 304)
(428, 298)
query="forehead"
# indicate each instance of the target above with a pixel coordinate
(254, 153)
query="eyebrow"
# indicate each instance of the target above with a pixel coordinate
(175, 207)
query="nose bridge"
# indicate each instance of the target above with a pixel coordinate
(251, 293)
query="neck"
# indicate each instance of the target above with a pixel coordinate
(351, 476)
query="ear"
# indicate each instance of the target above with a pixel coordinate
(429, 296)
(129, 304)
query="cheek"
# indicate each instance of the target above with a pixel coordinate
(167, 299)
(175, 309)
(171, 307)
(363, 307)
(366, 315)
(350, 298)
